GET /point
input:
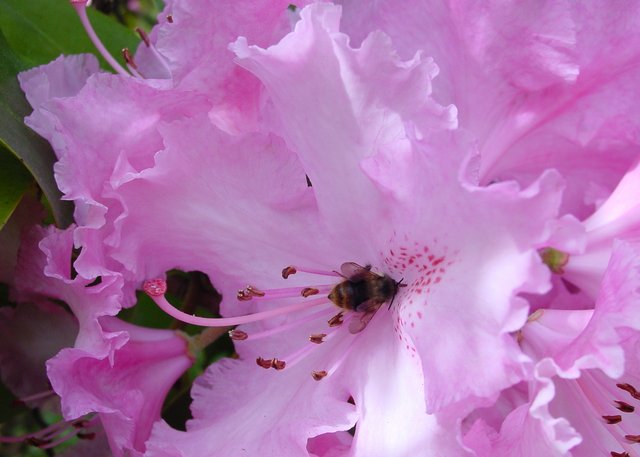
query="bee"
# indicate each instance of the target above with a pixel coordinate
(364, 292)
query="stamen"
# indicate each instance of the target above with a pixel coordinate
(298, 355)
(51, 429)
(317, 338)
(250, 292)
(143, 36)
(291, 270)
(80, 423)
(318, 375)
(336, 320)
(281, 328)
(556, 260)
(154, 287)
(309, 291)
(295, 357)
(534, 316)
(288, 271)
(74, 430)
(170, 19)
(81, 8)
(612, 419)
(255, 291)
(128, 58)
(238, 335)
(336, 364)
(242, 295)
(264, 363)
(64, 437)
(53, 435)
(36, 442)
(599, 390)
(629, 388)
(271, 363)
(131, 65)
(624, 407)
(38, 396)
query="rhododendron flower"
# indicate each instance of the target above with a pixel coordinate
(583, 395)
(464, 151)
(392, 228)
(118, 370)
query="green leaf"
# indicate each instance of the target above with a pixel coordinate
(40, 30)
(34, 152)
(14, 182)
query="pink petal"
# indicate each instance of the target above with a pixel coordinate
(477, 238)
(345, 125)
(522, 435)
(387, 386)
(576, 414)
(337, 105)
(539, 84)
(93, 144)
(275, 412)
(192, 51)
(129, 391)
(617, 217)
(330, 445)
(119, 370)
(248, 192)
(44, 270)
(577, 351)
(615, 313)
(64, 77)
(253, 414)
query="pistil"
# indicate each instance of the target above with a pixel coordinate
(81, 8)
(156, 289)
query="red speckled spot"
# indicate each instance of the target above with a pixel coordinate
(423, 269)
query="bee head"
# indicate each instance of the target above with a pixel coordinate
(398, 284)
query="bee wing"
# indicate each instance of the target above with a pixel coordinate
(359, 322)
(354, 272)
(368, 306)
